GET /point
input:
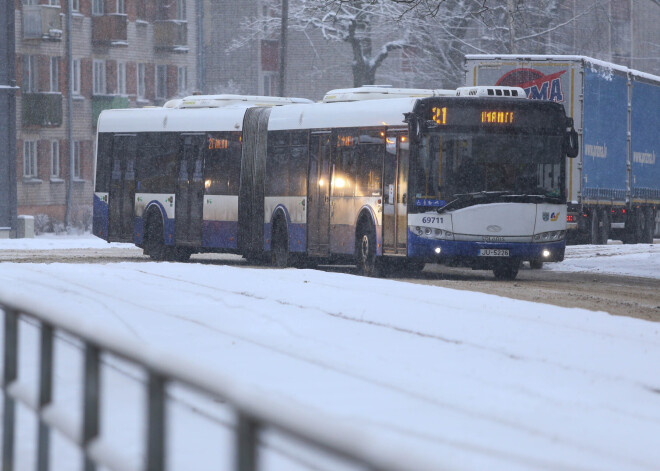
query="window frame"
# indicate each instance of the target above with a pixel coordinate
(99, 85)
(98, 8)
(54, 74)
(30, 79)
(121, 78)
(160, 77)
(55, 162)
(182, 79)
(30, 169)
(75, 74)
(141, 87)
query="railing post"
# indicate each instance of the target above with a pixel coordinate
(45, 395)
(91, 402)
(246, 443)
(156, 423)
(10, 373)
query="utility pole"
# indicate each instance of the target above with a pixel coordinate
(283, 45)
(8, 181)
(69, 111)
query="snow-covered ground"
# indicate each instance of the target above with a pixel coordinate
(467, 380)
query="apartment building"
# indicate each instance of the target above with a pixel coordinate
(126, 53)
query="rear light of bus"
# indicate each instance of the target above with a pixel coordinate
(571, 218)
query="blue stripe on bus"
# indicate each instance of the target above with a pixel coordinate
(425, 248)
(219, 234)
(297, 237)
(100, 218)
(138, 231)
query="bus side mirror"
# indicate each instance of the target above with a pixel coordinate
(571, 145)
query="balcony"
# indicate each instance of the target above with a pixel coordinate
(171, 35)
(110, 30)
(107, 102)
(42, 109)
(42, 22)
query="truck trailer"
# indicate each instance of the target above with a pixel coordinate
(614, 184)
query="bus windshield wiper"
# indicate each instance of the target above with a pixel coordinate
(483, 197)
(469, 199)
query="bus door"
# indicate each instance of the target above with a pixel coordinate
(395, 194)
(318, 195)
(121, 197)
(189, 196)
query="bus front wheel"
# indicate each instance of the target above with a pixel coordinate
(365, 251)
(506, 270)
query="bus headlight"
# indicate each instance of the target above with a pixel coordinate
(431, 233)
(551, 236)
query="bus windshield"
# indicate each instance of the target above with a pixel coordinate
(449, 166)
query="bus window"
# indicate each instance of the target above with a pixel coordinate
(277, 164)
(370, 163)
(345, 164)
(103, 162)
(157, 162)
(298, 170)
(222, 164)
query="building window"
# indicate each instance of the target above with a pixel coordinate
(29, 74)
(75, 74)
(55, 159)
(182, 79)
(97, 7)
(180, 9)
(54, 74)
(99, 77)
(141, 84)
(121, 78)
(30, 159)
(121, 7)
(30, 2)
(54, 3)
(161, 81)
(75, 5)
(76, 159)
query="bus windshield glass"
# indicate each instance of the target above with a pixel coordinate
(450, 165)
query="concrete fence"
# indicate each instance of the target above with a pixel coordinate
(253, 412)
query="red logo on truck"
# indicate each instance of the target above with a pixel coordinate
(536, 85)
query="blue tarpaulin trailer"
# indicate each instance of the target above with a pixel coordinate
(614, 184)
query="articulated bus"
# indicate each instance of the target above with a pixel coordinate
(382, 178)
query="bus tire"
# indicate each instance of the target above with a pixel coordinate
(279, 245)
(154, 244)
(181, 254)
(506, 270)
(645, 225)
(536, 264)
(365, 250)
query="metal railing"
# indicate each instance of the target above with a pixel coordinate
(254, 412)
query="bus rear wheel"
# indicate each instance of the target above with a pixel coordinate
(154, 245)
(506, 270)
(365, 251)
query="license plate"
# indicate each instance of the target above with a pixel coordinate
(493, 252)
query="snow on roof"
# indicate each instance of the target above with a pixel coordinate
(544, 57)
(172, 119)
(344, 114)
(375, 92)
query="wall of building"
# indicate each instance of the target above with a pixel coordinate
(145, 37)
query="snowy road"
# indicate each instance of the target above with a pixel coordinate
(470, 380)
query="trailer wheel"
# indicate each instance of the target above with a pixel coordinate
(645, 225)
(506, 270)
(595, 228)
(604, 233)
(279, 248)
(365, 250)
